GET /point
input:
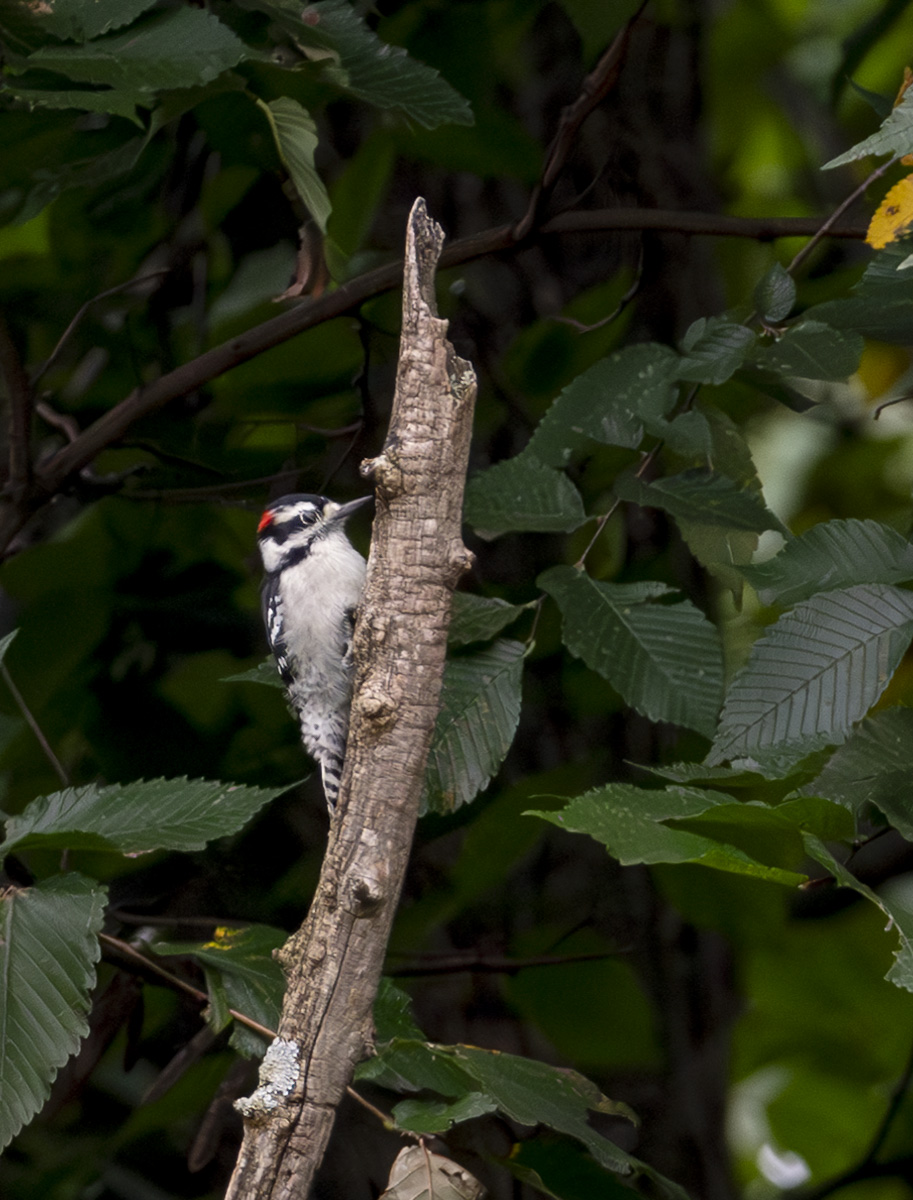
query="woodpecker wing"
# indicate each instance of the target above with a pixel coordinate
(271, 602)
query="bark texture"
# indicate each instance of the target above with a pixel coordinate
(334, 961)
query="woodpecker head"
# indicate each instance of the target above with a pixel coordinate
(292, 525)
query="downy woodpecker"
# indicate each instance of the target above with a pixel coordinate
(314, 581)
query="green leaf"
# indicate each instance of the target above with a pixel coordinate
(713, 348)
(608, 404)
(811, 350)
(436, 1116)
(480, 618)
(894, 137)
(775, 294)
(701, 497)
(48, 951)
(719, 518)
(531, 1093)
(629, 821)
(881, 306)
(181, 48)
(522, 495)
(816, 672)
(295, 133)
(362, 64)
(665, 660)
(264, 672)
(899, 917)
(135, 818)
(77, 21)
(832, 555)
(240, 965)
(480, 709)
(874, 766)
(117, 103)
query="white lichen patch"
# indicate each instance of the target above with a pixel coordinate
(278, 1073)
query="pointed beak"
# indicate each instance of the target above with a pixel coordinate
(344, 511)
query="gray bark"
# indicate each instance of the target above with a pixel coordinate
(334, 961)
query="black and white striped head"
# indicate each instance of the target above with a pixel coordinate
(292, 525)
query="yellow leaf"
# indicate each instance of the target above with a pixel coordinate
(894, 216)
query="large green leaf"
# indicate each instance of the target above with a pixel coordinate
(48, 951)
(815, 673)
(480, 709)
(354, 58)
(665, 660)
(832, 555)
(181, 48)
(526, 1091)
(296, 140)
(874, 766)
(894, 137)
(78, 21)
(480, 618)
(134, 818)
(882, 302)
(811, 350)
(630, 822)
(719, 518)
(608, 404)
(112, 100)
(713, 349)
(242, 973)
(522, 494)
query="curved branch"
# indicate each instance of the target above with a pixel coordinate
(52, 475)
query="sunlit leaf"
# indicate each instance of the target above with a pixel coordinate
(665, 660)
(815, 673)
(48, 951)
(893, 217)
(894, 137)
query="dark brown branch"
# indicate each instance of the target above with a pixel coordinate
(596, 86)
(53, 474)
(20, 397)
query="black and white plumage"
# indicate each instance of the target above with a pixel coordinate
(314, 582)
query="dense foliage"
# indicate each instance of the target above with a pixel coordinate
(686, 636)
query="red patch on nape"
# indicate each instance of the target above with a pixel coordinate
(266, 519)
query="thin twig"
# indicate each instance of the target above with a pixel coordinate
(838, 213)
(485, 964)
(44, 367)
(34, 726)
(175, 981)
